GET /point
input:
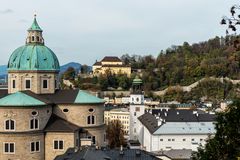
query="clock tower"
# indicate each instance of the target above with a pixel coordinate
(137, 108)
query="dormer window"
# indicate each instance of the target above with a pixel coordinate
(37, 39)
(33, 38)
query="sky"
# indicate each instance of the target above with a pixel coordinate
(84, 31)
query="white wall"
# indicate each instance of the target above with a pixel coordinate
(153, 142)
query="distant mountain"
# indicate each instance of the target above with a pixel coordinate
(3, 70)
(75, 65)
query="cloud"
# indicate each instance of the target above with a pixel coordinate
(6, 11)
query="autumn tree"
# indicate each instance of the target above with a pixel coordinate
(115, 134)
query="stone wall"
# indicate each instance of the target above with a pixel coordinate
(77, 114)
(23, 115)
(69, 140)
(22, 146)
(36, 79)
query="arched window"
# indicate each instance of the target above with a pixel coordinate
(32, 38)
(34, 124)
(10, 125)
(91, 119)
(38, 39)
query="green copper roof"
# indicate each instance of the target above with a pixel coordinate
(33, 57)
(35, 26)
(86, 98)
(137, 80)
(20, 99)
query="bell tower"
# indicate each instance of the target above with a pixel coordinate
(137, 108)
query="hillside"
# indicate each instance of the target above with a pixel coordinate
(186, 64)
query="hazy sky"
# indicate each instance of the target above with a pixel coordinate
(85, 31)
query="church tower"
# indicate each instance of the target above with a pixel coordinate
(33, 66)
(137, 108)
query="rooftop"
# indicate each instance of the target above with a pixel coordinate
(28, 98)
(111, 59)
(20, 99)
(90, 153)
(176, 121)
(57, 124)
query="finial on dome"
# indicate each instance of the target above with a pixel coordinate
(35, 14)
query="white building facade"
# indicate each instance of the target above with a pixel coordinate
(121, 114)
(137, 109)
(183, 129)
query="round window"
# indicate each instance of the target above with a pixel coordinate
(65, 110)
(91, 110)
(34, 113)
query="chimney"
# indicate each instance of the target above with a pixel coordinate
(159, 122)
(150, 111)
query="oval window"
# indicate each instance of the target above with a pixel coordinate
(137, 99)
(65, 110)
(91, 110)
(34, 113)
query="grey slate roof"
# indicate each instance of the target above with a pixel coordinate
(90, 153)
(57, 124)
(111, 59)
(3, 93)
(62, 96)
(176, 154)
(150, 121)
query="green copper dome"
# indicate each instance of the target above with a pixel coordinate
(137, 80)
(33, 57)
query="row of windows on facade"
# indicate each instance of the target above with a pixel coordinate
(9, 147)
(34, 123)
(182, 140)
(28, 84)
(11, 126)
(120, 117)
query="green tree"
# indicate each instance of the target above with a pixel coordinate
(225, 145)
(69, 74)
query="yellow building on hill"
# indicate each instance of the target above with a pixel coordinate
(111, 64)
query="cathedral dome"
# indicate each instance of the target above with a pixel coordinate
(34, 55)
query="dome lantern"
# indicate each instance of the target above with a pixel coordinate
(35, 33)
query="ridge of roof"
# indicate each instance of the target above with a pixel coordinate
(58, 124)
